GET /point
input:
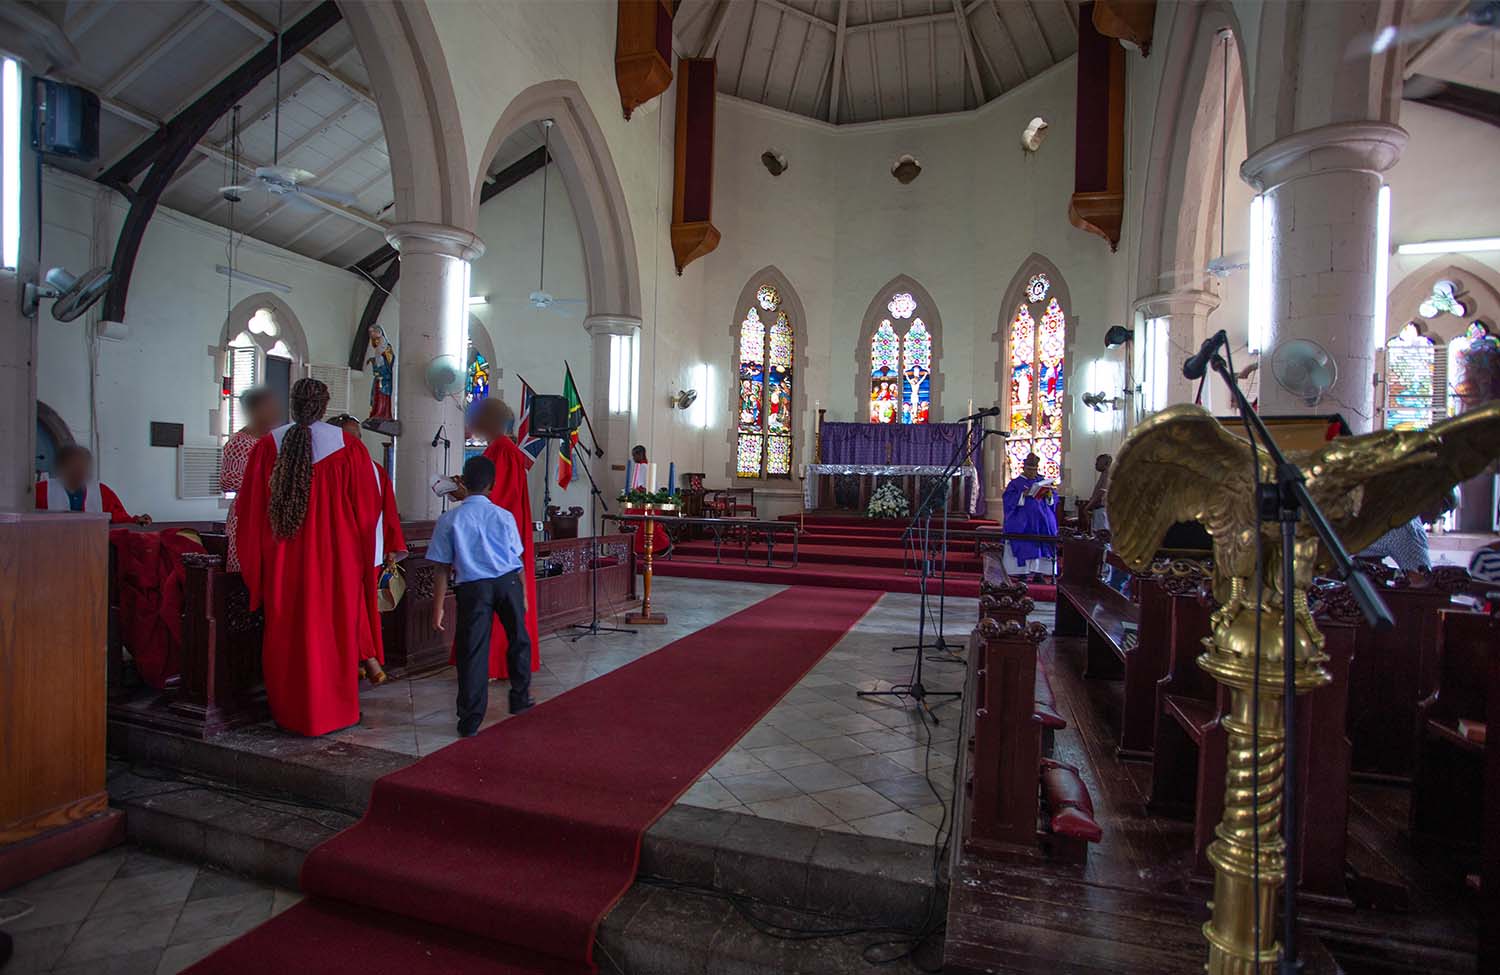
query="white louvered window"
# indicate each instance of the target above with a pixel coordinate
(336, 378)
(198, 470)
(244, 373)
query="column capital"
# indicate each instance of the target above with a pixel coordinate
(612, 325)
(418, 237)
(1187, 301)
(1361, 147)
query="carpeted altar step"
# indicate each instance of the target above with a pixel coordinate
(892, 557)
(733, 569)
(506, 850)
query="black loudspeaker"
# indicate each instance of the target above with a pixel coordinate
(549, 416)
(66, 122)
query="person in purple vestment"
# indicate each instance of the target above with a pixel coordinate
(1029, 512)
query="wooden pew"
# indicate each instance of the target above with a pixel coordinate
(1129, 633)
(1007, 601)
(1447, 801)
(411, 644)
(1004, 754)
(1189, 765)
(1393, 672)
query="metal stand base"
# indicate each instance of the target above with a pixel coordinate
(917, 692)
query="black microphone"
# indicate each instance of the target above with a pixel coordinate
(987, 411)
(437, 438)
(1196, 366)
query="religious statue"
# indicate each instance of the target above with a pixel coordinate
(1182, 465)
(382, 363)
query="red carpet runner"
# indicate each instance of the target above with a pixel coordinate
(501, 854)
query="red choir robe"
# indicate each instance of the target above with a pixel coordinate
(388, 540)
(511, 493)
(315, 586)
(96, 497)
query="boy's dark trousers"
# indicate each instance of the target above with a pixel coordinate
(479, 602)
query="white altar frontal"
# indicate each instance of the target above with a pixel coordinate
(831, 487)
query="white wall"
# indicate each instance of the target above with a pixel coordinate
(177, 304)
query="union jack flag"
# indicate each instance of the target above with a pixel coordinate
(531, 446)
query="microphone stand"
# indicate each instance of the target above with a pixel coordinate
(914, 688)
(1286, 500)
(592, 627)
(438, 438)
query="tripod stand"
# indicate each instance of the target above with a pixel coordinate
(914, 688)
(592, 627)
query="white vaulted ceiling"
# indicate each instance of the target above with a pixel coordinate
(870, 60)
(149, 60)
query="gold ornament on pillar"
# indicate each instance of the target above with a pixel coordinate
(1182, 465)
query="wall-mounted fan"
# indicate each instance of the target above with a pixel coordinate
(445, 376)
(286, 183)
(542, 299)
(1305, 369)
(684, 399)
(74, 295)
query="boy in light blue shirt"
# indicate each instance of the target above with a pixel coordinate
(481, 544)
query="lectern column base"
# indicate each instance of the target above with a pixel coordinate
(648, 619)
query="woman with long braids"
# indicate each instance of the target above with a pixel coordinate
(308, 509)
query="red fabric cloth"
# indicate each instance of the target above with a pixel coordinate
(661, 543)
(109, 502)
(530, 832)
(149, 581)
(315, 586)
(511, 493)
(393, 542)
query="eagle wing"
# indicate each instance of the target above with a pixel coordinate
(1368, 485)
(1182, 465)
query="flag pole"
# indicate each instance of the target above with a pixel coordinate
(598, 451)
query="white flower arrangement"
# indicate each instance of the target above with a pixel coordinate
(888, 501)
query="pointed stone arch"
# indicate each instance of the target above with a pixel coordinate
(582, 157)
(874, 314)
(286, 319)
(791, 303)
(1481, 283)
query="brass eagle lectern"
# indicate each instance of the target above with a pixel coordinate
(1183, 465)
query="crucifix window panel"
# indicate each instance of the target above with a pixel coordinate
(767, 355)
(901, 367)
(1036, 344)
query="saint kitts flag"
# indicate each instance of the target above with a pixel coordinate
(575, 417)
(531, 446)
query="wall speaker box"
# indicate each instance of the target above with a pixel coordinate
(549, 416)
(65, 121)
(166, 434)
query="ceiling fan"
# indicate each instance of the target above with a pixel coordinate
(286, 183)
(542, 299)
(1477, 13)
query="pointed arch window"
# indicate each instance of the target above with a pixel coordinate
(1465, 386)
(901, 368)
(1410, 370)
(257, 355)
(1036, 343)
(767, 356)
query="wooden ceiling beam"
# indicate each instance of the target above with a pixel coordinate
(155, 51)
(715, 30)
(790, 10)
(915, 20)
(836, 82)
(87, 16)
(874, 70)
(1036, 25)
(1010, 43)
(967, 42)
(160, 155)
(791, 91)
(247, 19)
(334, 166)
(765, 81)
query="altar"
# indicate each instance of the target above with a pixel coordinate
(853, 459)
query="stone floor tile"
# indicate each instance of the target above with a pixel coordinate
(853, 724)
(119, 934)
(795, 809)
(284, 899)
(162, 890)
(215, 917)
(884, 741)
(737, 761)
(918, 759)
(840, 746)
(708, 793)
(818, 778)
(870, 768)
(59, 906)
(762, 736)
(910, 790)
(855, 802)
(38, 949)
(178, 957)
(218, 883)
(100, 868)
(784, 756)
(142, 962)
(898, 825)
(759, 786)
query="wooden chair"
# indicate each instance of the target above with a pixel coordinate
(733, 503)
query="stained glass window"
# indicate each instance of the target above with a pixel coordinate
(1465, 389)
(478, 387)
(1036, 347)
(1409, 361)
(901, 367)
(766, 358)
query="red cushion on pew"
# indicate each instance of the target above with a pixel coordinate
(1046, 704)
(1073, 823)
(1048, 717)
(1068, 800)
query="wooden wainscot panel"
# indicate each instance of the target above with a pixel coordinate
(1098, 202)
(1132, 21)
(693, 232)
(643, 51)
(53, 634)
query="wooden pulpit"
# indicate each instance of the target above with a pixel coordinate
(53, 628)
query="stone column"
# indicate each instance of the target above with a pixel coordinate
(613, 428)
(434, 303)
(1321, 188)
(1186, 313)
